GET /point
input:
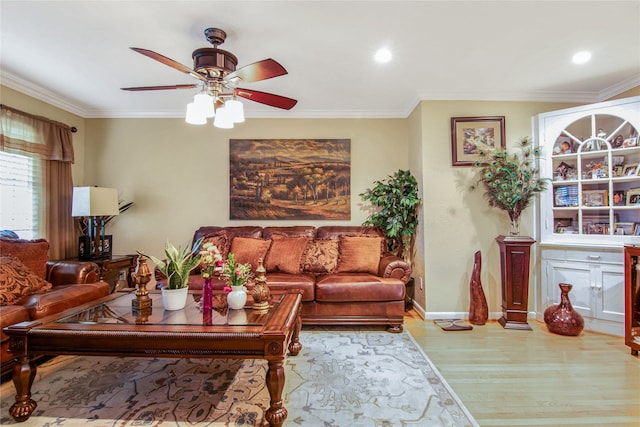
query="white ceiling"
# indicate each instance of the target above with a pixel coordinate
(75, 54)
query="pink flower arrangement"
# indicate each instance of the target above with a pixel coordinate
(211, 260)
(236, 275)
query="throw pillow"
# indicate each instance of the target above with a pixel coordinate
(32, 253)
(285, 254)
(320, 256)
(359, 254)
(248, 250)
(17, 281)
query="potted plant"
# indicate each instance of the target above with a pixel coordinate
(177, 267)
(397, 216)
(510, 182)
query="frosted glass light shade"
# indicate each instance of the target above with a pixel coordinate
(194, 117)
(236, 111)
(223, 118)
(204, 104)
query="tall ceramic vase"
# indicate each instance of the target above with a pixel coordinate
(562, 319)
(478, 309)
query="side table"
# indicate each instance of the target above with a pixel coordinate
(110, 269)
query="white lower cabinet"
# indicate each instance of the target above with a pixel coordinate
(597, 277)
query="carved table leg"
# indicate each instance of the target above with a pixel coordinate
(24, 373)
(295, 346)
(276, 414)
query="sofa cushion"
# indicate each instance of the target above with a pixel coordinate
(17, 281)
(359, 254)
(34, 254)
(290, 231)
(285, 254)
(284, 281)
(249, 250)
(320, 256)
(358, 287)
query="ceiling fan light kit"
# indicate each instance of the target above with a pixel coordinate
(216, 69)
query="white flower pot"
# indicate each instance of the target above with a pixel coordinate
(174, 299)
(237, 299)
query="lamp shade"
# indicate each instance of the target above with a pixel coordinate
(223, 118)
(94, 201)
(194, 117)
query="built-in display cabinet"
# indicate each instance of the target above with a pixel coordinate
(591, 155)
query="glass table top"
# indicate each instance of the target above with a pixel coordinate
(120, 311)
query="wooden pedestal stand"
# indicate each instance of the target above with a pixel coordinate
(514, 265)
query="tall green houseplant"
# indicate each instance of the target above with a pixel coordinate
(398, 202)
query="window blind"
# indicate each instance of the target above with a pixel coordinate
(19, 183)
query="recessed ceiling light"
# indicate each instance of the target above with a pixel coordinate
(383, 55)
(581, 57)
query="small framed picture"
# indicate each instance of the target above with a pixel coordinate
(637, 229)
(560, 225)
(625, 228)
(630, 170)
(470, 135)
(630, 142)
(617, 170)
(564, 145)
(595, 198)
(597, 228)
(619, 198)
(633, 197)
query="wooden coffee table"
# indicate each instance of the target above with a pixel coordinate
(109, 327)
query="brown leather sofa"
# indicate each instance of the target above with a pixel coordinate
(345, 274)
(72, 284)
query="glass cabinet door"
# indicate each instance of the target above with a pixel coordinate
(593, 162)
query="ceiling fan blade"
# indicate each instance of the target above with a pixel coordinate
(168, 61)
(267, 98)
(261, 70)
(134, 89)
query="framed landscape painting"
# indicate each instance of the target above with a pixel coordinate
(290, 179)
(470, 135)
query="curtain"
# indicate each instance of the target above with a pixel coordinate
(34, 136)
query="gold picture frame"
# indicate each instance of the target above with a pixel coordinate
(633, 197)
(470, 135)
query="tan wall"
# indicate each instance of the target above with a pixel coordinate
(178, 174)
(457, 221)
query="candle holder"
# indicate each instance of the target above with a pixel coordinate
(141, 277)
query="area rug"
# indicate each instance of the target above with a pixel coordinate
(348, 377)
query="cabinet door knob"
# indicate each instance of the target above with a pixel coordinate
(593, 257)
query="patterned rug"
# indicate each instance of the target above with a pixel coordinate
(347, 377)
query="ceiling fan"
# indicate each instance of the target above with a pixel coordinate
(219, 78)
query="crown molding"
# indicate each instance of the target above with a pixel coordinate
(28, 88)
(618, 88)
(23, 86)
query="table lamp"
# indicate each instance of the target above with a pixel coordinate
(95, 203)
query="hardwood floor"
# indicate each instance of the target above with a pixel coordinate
(523, 378)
